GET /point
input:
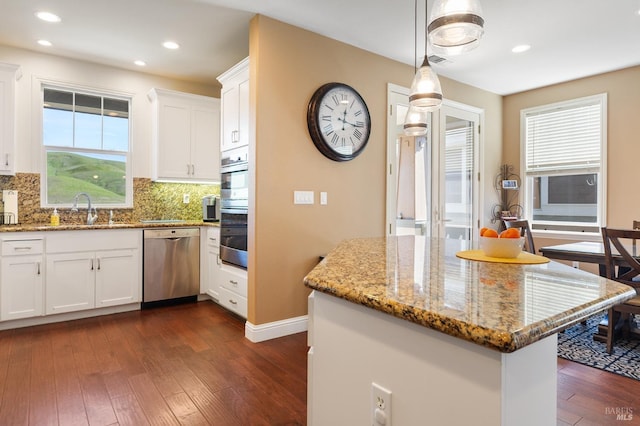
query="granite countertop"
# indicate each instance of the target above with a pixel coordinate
(501, 306)
(34, 227)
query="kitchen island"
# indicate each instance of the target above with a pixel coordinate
(455, 341)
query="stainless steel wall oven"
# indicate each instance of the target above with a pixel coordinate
(234, 197)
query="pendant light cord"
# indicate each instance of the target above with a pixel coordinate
(415, 36)
(426, 30)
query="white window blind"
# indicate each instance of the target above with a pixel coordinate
(459, 148)
(566, 138)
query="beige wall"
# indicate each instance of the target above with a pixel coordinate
(287, 65)
(623, 95)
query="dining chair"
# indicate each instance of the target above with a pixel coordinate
(525, 231)
(636, 225)
(617, 240)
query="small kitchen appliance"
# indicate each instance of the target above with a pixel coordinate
(10, 213)
(211, 208)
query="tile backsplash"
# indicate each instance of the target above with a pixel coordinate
(151, 200)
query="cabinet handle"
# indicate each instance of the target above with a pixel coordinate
(92, 264)
(6, 160)
(188, 169)
(38, 266)
(23, 248)
(233, 302)
(233, 283)
(98, 264)
(193, 170)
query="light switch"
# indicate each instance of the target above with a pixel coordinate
(323, 198)
(303, 197)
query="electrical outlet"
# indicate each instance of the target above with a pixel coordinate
(380, 405)
(185, 198)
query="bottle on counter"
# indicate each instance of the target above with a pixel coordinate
(55, 218)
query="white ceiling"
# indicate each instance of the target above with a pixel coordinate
(569, 38)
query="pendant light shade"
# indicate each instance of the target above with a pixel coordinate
(425, 89)
(415, 122)
(455, 26)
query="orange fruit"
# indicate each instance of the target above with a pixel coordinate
(490, 233)
(510, 233)
(482, 231)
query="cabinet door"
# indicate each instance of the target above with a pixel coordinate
(174, 141)
(205, 149)
(213, 272)
(70, 282)
(8, 74)
(21, 291)
(243, 113)
(117, 277)
(230, 114)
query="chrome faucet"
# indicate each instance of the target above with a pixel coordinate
(90, 218)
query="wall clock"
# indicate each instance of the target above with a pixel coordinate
(339, 122)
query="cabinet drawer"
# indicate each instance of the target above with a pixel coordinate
(22, 247)
(233, 281)
(213, 237)
(233, 302)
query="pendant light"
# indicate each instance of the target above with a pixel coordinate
(455, 26)
(425, 88)
(415, 122)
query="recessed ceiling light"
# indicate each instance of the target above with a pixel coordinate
(46, 43)
(48, 16)
(140, 63)
(521, 48)
(171, 45)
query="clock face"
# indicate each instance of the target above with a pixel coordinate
(338, 121)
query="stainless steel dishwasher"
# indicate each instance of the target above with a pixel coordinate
(171, 265)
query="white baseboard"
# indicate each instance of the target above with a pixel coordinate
(273, 330)
(68, 316)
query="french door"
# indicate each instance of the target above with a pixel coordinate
(433, 180)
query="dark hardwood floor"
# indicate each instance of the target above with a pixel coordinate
(191, 365)
(187, 364)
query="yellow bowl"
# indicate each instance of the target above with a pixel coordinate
(507, 248)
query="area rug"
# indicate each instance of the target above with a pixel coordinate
(576, 344)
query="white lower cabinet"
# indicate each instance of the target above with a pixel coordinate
(233, 289)
(89, 277)
(211, 249)
(77, 281)
(21, 279)
(117, 277)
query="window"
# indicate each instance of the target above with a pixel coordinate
(85, 139)
(564, 146)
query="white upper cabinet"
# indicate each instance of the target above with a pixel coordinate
(186, 137)
(235, 106)
(9, 74)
